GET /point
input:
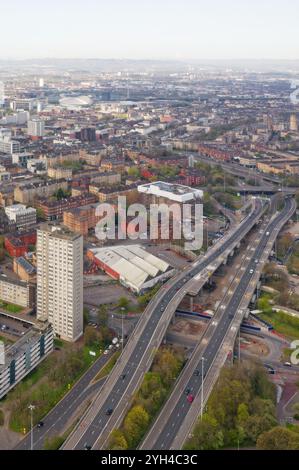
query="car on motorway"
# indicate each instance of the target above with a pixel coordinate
(270, 369)
(106, 352)
(87, 446)
(109, 411)
(187, 391)
(123, 376)
(251, 271)
(196, 372)
(40, 424)
(190, 398)
(267, 234)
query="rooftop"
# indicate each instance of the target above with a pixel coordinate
(59, 231)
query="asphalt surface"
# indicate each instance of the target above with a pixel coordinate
(171, 426)
(109, 407)
(57, 418)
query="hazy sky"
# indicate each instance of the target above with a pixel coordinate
(150, 29)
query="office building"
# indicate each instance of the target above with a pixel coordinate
(9, 146)
(60, 280)
(23, 217)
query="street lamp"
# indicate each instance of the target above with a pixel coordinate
(202, 376)
(122, 328)
(31, 408)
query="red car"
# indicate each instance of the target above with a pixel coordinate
(190, 398)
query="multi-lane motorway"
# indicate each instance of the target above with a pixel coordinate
(171, 428)
(59, 416)
(109, 407)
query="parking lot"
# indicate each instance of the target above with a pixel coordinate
(106, 294)
(12, 328)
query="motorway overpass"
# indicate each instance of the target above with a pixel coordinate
(178, 417)
(96, 425)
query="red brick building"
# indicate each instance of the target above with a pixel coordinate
(54, 210)
(17, 244)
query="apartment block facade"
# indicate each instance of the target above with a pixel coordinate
(60, 280)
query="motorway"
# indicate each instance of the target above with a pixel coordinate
(111, 404)
(56, 420)
(175, 421)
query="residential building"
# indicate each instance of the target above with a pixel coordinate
(81, 219)
(27, 193)
(22, 357)
(17, 292)
(111, 193)
(60, 280)
(36, 128)
(53, 210)
(58, 173)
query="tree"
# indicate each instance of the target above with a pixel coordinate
(167, 365)
(85, 316)
(103, 315)
(60, 194)
(256, 425)
(207, 435)
(133, 171)
(283, 244)
(135, 425)
(151, 393)
(117, 440)
(123, 302)
(40, 214)
(90, 336)
(243, 414)
(278, 438)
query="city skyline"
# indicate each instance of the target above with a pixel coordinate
(193, 30)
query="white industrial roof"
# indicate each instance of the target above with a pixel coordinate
(133, 264)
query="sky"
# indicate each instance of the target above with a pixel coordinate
(149, 29)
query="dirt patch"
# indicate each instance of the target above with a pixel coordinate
(256, 347)
(188, 327)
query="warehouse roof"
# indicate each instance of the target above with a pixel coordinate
(132, 263)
